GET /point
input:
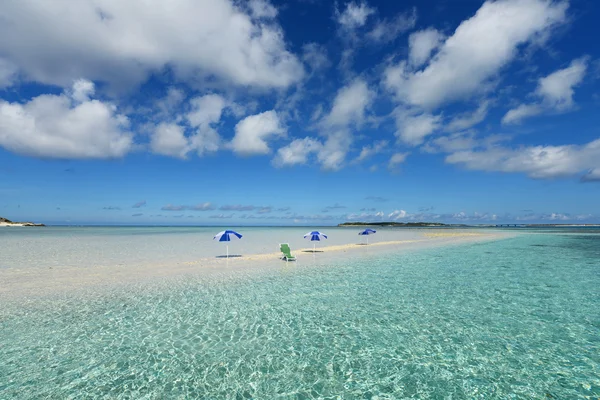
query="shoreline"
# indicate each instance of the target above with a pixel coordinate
(37, 283)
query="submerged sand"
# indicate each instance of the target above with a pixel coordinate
(31, 281)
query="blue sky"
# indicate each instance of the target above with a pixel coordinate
(213, 112)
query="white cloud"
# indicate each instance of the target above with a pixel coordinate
(421, 44)
(371, 150)
(355, 15)
(315, 55)
(168, 105)
(8, 73)
(297, 152)
(396, 159)
(205, 140)
(413, 127)
(375, 216)
(122, 42)
(252, 133)
(349, 105)
(262, 9)
(332, 154)
(467, 120)
(205, 110)
(593, 175)
(557, 88)
(83, 90)
(388, 30)
(535, 161)
(169, 139)
(558, 216)
(347, 113)
(470, 58)
(62, 126)
(521, 112)
(397, 214)
(555, 92)
(465, 140)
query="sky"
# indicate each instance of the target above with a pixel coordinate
(299, 112)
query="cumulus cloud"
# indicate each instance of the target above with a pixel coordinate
(397, 159)
(198, 135)
(536, 161)
(66, 126)
(297, 152)
(262, 9)
(467, 120)
(397, 214)
(347, 114)
(421, 44)
(414, 126)
(370, 150)
(169, 139)
(557, 88)
(555, 92)
(167, 106)
(387, 30)
(469, 59)
(349, 105)
(198, 39)
(354, 16)
(205, 110)
(253, 132)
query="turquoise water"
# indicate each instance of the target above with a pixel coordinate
(516, 318)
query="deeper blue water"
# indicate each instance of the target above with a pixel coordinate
(514, 318)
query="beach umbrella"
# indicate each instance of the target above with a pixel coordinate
(315, 236)
(367, 232)
(226, 236)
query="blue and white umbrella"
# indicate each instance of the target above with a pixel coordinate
(226, 236)
(315, 236)
(367, 232)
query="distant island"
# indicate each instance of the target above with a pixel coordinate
(7, 222)
(401, 224)
(441, 225)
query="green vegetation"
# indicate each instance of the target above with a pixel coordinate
(8, 221)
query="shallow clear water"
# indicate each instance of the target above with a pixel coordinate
(516, 318)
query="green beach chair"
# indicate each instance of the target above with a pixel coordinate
(287, 253)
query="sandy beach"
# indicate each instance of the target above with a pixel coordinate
(73, 265)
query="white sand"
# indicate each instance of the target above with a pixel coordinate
(42, 277)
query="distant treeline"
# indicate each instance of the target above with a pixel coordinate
(398, 224)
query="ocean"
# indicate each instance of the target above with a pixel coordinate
(517, 317)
